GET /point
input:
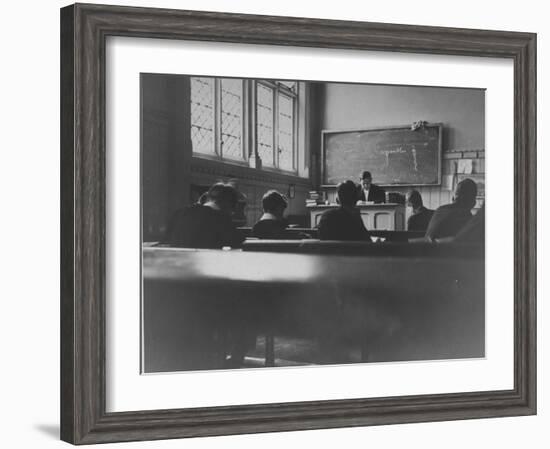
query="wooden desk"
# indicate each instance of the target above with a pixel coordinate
(394, 308)
(290, 232)
(396, 236)
(382, 217)
(387, 250)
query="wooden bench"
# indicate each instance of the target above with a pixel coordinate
(291, 232)
(395, 236)
(360, 248)
(388, 236)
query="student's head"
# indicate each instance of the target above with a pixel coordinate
(347, 193)
(274, 203)
(465, 193)
(414, 199)
(366, 180)
(223, 196)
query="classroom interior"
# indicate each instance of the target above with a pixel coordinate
(301, 301)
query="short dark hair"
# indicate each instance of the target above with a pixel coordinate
(465, 193)
(223, 193)
(273, 200)
(414, 197)
(366, 174)
(347, 193)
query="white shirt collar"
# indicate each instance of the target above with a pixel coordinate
(268, 216)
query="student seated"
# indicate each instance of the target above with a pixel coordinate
(472, 233)
(272, 223)
(344, 223)
(207, 225)
(449, 219)
(421, 215)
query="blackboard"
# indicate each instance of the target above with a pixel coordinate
(394, 155)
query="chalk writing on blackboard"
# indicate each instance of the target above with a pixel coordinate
(394, 156)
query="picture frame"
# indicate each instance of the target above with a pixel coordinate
(84, 29)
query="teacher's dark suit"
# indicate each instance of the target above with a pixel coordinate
(376, 194)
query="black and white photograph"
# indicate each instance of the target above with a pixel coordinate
(297, 223)
(286, 224)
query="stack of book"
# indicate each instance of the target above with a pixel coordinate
(314, 198)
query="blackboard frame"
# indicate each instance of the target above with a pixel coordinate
(325, 132)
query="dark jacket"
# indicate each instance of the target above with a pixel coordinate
(376, 194)
(419, 221)
(447, 221)
(473, 232)
(201, 226)
(342, 224)
(269, 229)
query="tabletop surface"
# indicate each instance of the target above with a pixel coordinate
(190, 264)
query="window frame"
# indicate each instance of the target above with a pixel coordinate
(249, 120)
(217, 142)
(278, 88)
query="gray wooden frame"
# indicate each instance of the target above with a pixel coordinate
(83, 32)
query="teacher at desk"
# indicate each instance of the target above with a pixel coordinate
(370, 192)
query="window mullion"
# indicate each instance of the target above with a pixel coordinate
(295, 126)
(218, 142)
(252, 120)
(244, 121)
(276, 127)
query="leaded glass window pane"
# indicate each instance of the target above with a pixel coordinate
(202, 115)
(231, 118)
(264, 124)
(286, 133)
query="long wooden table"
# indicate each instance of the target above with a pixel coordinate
(395, 308)
(388, 236)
